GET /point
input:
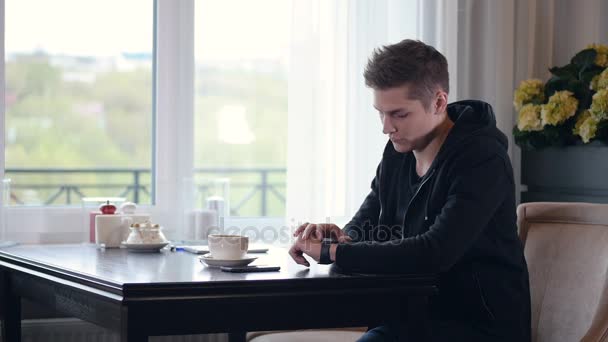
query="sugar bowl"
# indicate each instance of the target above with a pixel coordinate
(145, 233)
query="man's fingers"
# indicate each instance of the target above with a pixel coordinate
(340, 235)
(336, 233)
(344, 238)
(302, 261)
(298, 256)
(300, 229)
(319, 233)
(309, 229)
(294, 253)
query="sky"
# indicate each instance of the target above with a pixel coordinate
(224, 29)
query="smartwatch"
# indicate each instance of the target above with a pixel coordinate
(324, 258)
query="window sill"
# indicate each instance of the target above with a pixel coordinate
(53, 225)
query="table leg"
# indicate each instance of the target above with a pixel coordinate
(132, 336)
(237, 336)
(10, 311)
(130, 332)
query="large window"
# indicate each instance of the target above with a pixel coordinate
(78, 100)
(241, 51)
(137, 98)
(154, 100)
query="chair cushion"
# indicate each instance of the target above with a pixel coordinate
(309, 336)
(566, 247)
(567, 273)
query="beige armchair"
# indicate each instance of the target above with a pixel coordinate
(566, 247)
(316, 335)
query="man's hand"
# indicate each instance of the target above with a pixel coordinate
(310, 247)
(320, 231)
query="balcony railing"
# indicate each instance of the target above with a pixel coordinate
(253, 191)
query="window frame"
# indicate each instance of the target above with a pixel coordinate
(173, 138)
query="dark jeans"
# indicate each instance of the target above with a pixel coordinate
(441, 332)
(383, 333)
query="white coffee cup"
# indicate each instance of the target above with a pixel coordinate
(228, 247)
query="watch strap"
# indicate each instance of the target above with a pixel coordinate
(324, 257)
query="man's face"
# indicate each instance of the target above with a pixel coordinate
(406, 121)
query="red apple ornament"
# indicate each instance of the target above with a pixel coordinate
(107, 209)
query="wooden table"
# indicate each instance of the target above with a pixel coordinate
(172, 293)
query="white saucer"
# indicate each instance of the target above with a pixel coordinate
(211, 262)
(145, 247)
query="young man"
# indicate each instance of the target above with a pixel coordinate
(442, 201)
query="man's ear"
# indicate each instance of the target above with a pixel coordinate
(441, 101)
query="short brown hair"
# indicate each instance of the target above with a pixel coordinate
(409, 62)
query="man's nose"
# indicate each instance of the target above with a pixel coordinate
(387, 125)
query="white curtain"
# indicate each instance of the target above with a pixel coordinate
(317, 109)
(501, 43)
(484, 59)
(550, 32)
(335, 140)
(2, 120)
(492, 45)
(437, 25)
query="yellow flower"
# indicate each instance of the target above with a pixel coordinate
(593, 85)
(586, 126)
(528, 91)
(529, 118)
(599, 104)
(561, 106)
(601, 58)
(599, 81)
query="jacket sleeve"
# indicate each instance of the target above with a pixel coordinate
(362, 224)
(474, 194)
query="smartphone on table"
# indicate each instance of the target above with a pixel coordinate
(244, 269)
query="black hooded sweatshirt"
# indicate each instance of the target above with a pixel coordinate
(458, 221)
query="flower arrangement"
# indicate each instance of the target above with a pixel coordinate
(570, 108)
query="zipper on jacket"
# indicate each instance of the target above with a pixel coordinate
(403, 235)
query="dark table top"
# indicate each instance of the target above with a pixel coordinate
(120, 271)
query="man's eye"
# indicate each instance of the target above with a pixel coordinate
(402, 115)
